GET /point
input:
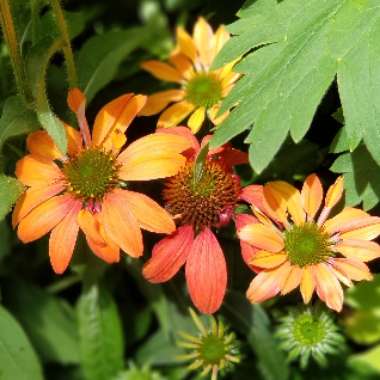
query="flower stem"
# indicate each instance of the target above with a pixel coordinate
(67, 51)
(10, 37)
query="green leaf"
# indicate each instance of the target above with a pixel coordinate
(10, 190)
(368, 359)
(49, 322)
(101, 334)
(38, 62)
(252, 321)
(17, 357)
(294, 49)
(100, 57)
(199, 164)
(16, 120)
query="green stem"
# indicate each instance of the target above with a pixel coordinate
(10, 37)
(67, 50)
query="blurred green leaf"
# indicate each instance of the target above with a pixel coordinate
(16, 120)
(17, 357)
(135, 373)
(370, 358)
(49, 321)
(101, 334)
(10, 190)
(5, 233)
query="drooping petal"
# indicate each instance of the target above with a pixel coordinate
(203, 37)
(115, 117)
(206, 272)
(150, 215)
(44, 217)
(121, 225)
(312, 195)
(307, 285)
(169, 255)
(361, 250)
(90, 226)
(293, 280)
(108, 252)
(328, 287)
(353, 269)
(196, 119)
(32, 198)
(162, 71)
(347, 215)
(186, 44)
(334, 193)
(262, 237)
(268, 260)
(158, 101)
(62, 240)
(37, 171)
(175, 114)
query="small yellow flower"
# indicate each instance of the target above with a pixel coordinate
(201, 89)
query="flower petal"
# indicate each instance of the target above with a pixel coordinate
(262, 237)
(169, 255)
(268, 260)
(221, 37)
(63, 238)
(183, 65)
(206, 272)
(162, 71)
(347, 215)
(307, 285)
(292, 281)
(368, 232)
(361, 250)
(108, 252)
(196, 119)
(158, 101)
(328, 287)
(312, 195)
(173, 115)
(186, 133)
(352, 269)
(121, 225)
(203, 37)
(186, 44)
(44, 217)
(334, 193)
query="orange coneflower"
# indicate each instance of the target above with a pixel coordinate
(199, 205)
(201, 89)
(87, 188)
(295, 245)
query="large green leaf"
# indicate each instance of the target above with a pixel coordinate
(10, 190)
(17, 357)
(294, 51)
(101, 334)
(49, 322)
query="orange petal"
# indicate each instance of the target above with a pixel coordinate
(268, 260)
(76, 99)
(37, 171)
(186, 133)
(213, 114)
(39, 143)
(352, 269)
(62, 240)
(186, 44)
(203, 37)
(44, 217)
(262, 236)
(121, 226)
(292, 281)
(206, 272)
(347, 215)
(334, 193)
(32, 198)
(108, 252)
(169, 255)
(162, 71)
(328, 287)
(90, 226)
(364, 233)
(158, 101)
(196, 119)
(183, 65)
(267, 284)
(312, 195)
(361, 250)
(280, 197)
(307, 285)
(176, 113)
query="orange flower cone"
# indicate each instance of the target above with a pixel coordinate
(200, 89)
(198, 208)
(87, 188)
(295, 243)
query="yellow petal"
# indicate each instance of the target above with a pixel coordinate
(173, 115)
(221, 37)
(183, 65)
(162, 71)
(292, 281)
(365, 233)
(312, 195)
(186, 44)
(268, 260)
(353, 269)
(348, 214)
(307, 284)
(334, 193)
(361, 250)
(196, 119)
(262, 237)
(204, 40)
(158, 101)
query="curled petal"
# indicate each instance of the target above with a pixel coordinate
(108, 252)
(312, 195)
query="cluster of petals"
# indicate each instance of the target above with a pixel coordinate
(277, 208)
(114, 222)
(192, 56)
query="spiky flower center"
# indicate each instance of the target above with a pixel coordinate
(308, 330)
(91, 174)
(201, 202)
(307, 245)
(212, 349)
(204, 90)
